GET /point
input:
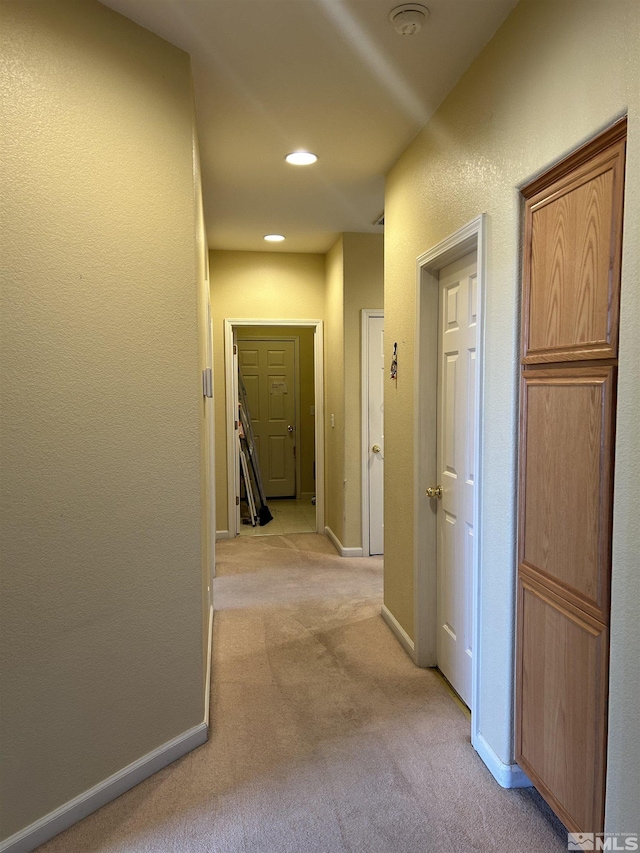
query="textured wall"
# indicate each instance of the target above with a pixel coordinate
(256, 285)
(207, 435)
(363, 288)
(100, 378)
(554, 74)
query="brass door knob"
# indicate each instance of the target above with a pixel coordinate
(376, 448)
(434, 492)
(289, 428)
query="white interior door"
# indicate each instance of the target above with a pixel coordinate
(457, 327)
(375, 438)
(268, 370)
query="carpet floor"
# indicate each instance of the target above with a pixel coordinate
(325, 738)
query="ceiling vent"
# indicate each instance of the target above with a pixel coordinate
(408, 19)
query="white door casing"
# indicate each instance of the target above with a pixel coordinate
(372, 432)
(423, 645)
(268, 367)
(455, 465)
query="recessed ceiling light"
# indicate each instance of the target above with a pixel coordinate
(274, 238)
(301, 158)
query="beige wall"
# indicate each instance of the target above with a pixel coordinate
(363, 288)
(355, 280)
(554, 74)
(334, 507)
(207, 435)
(101, 655)
(307, 426)
(256, 285)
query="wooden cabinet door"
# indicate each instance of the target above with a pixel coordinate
(570, 306)
(573, 240)
(566, 449)
(562, 683)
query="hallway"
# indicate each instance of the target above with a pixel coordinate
(325, 737)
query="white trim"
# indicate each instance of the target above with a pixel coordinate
(211, 438)
(222, 534)
(340, 548)
(102, 793)
(506, 775)
(366, 315)
(207, 681)
(398, 630)
(231, 395)
(470, 237)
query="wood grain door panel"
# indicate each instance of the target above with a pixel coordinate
(573, 239)
(565, 491)
(562, 662)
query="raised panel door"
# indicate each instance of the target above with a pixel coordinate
(573, 248)
(561, 740)
(457, 339)
(268, 370)
(565, 495)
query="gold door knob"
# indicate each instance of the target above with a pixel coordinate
(376, 448)
(434, 492)
(289, 428)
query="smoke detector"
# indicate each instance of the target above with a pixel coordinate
(408, 19)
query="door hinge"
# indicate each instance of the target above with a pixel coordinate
(237, 500)
(207, 382)
(235, 350)
(235, 424)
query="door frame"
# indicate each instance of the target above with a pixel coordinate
(471, 237)
(366, 315)
(231, 396)
(295, 339)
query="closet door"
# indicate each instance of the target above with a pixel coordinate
(563, 587)
(571, 283)
(573, 230)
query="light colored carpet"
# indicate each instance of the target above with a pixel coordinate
(325, 737)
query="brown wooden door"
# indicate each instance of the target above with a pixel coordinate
(571, 283)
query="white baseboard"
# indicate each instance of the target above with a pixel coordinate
(65, 816)
(506, 775)
(398, 630)
(207, 683)
(222, 534)
(340, 548)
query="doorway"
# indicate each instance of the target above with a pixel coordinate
(296, 495)
(436, 597)
(275, 365)
(372, 407)
(454, 493)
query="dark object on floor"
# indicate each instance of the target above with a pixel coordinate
(264, 515)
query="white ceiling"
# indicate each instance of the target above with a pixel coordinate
(331, 76)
